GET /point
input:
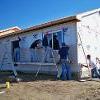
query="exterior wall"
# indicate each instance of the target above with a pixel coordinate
(5, 54)
(89, 30)
(28, 38)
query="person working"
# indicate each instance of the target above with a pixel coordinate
(45, 41)
(16, 49)
(55, 43)
(98, 65)
(92, 66)
(64, 59)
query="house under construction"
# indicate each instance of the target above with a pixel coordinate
(80, 32)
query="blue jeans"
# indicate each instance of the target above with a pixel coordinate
(66, 71)
(95, 73)
(17, 54)
(99, 71)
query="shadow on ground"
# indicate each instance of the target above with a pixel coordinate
(25, 77)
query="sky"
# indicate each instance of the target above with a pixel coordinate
(27, 13)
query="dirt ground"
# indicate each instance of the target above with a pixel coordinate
(51, 90)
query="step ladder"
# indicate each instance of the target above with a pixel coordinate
(42, 62)
(3, 58)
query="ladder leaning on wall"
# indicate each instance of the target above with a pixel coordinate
(3, 58)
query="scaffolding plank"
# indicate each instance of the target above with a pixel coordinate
(35, 63)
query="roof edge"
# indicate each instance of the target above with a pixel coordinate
(79, 16)
(45, 25)
(10, 28)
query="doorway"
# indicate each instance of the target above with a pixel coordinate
(15, 51)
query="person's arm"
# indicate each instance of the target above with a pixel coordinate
(50, 43)
(59, 52)
(19, 38)
(84, 65)
(68, 59)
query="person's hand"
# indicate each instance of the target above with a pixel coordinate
(59, 62)
(81, 65)
(70, 62)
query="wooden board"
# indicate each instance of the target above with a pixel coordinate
(35, 63)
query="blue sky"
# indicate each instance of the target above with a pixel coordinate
(26, 13)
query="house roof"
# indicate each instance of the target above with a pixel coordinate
(85, 14)
(12, 28)
(48, 24)
(45, 25)
(51, 23)
(9, 31)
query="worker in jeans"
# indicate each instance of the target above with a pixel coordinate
(65, 63)
(98, 65)
(92, 66)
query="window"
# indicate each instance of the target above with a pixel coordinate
(55, 39)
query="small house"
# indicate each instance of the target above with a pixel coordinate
(80, 32)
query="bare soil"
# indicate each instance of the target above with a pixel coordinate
(50, 89)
